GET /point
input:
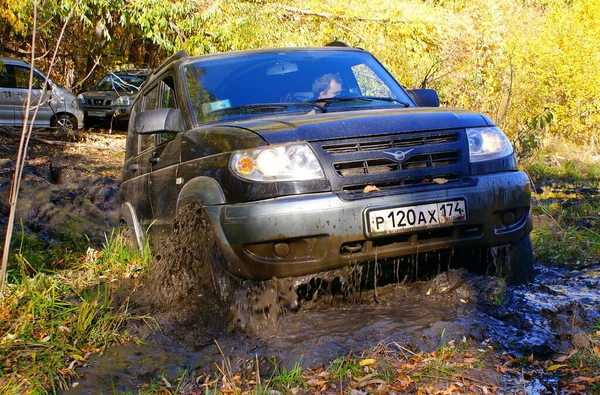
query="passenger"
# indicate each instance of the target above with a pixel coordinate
(326, 86)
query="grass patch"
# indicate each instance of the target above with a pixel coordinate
(560, 159)
(59, 307)
(567, 212)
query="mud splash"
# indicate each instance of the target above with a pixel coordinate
(549, 316)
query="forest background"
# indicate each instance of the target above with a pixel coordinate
(515, 61)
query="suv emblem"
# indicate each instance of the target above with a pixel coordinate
(399, 155)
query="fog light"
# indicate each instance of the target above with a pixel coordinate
(281, 249)
(508, 218)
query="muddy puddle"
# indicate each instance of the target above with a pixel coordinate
(547, 317)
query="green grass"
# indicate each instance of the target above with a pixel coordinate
(58, 308)
(567, 230)
(287, 379)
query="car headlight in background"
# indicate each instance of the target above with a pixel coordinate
(488, 143)
(290, 162)
(80, 100)
(123, 101)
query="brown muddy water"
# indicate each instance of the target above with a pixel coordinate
(550, 315)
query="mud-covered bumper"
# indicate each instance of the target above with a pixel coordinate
(297, 235)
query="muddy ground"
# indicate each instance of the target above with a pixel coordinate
(72, 189)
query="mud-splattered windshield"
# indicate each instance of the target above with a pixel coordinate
(247, 84)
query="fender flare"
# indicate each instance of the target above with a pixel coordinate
(127, 214)
(203, 190)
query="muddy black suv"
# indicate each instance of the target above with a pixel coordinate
(301, 160)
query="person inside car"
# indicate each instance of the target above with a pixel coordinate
(327, 86)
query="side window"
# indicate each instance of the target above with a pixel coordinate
(22, 78)
(6, 78)
(369, 83)
(150, 102)
(167, 100)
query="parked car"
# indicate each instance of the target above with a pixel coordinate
(58, 107)
(289, 180)
(111, 98)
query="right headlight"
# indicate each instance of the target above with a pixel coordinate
(488, 143)
(286, 162)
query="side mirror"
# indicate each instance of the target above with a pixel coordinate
(425, 97)
(163, 120)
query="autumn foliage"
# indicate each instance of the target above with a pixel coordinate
(509, 60)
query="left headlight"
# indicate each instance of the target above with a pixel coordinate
(488, 143)
(289, 162)
(123, 101)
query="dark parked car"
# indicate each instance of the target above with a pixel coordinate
(111, 98)
(302, 160)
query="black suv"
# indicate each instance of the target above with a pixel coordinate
(111, 98)
(308, 159)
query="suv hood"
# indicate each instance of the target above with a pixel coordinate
(105, 94)
(349, 124)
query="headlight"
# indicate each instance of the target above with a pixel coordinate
(80, 101)
(487, 144)
(123, 101)
(291, 162)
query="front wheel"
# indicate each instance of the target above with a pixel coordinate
(64, 123)
(188, 276)
(512, 262)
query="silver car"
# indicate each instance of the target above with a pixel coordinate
(58, 107)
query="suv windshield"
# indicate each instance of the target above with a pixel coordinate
(261, 83)
(120, 82)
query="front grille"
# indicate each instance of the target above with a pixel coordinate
(394, 142)
(404, 161)
(99, 102)
(375, 166)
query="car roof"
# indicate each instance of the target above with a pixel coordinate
(14, 61)
(271, 50)
(181, 57)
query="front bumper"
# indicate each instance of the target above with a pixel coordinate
(298, 235)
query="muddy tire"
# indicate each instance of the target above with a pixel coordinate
(188, 276)
(513, 262)
(516, 261)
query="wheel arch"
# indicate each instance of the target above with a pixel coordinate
(203, 190)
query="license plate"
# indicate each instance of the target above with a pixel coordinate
(399, 219)
(96, 113)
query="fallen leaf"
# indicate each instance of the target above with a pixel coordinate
(556, 367)
(78, 357)
(370, 188)
(366, 362)
(440, 180)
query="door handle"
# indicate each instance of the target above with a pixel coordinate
(6, 94)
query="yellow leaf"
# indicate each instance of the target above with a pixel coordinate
(556, 367)
(366, 362)
(370, 188)
(78, 357)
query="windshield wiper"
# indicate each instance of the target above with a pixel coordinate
(369, 99)
(263, 108)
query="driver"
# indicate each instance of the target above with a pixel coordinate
(327, 86)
